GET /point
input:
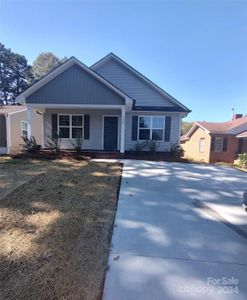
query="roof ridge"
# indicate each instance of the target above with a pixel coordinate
(74, 60)
(111, 54)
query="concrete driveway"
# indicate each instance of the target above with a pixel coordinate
(165, 247)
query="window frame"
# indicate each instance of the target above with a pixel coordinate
(200, 145)
(26, 123)
(151, 128)
(222, 144)
(70, 126)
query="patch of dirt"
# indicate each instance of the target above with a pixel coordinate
(15, 172)
(55, 231)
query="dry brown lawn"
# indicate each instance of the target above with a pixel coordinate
(55, 229)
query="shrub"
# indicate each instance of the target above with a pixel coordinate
(30, 144)
(152, 145)
(176, 151)
(53, 142)
(77, 144)
(242, 160)
(140, 146)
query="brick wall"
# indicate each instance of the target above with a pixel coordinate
(228, 156)
(191, 147)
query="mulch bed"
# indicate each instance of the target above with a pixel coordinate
(87, 155)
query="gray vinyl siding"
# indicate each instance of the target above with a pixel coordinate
(163, 146)
(132, 85)
(75, 86)
(3, 137)
(95, 130)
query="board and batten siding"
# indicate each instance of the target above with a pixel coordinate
(162, 145)
(75, 86)
(95, 141)
(131, 84)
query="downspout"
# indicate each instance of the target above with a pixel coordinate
(209, 152)
(180, 121)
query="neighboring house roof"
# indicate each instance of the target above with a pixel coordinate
(233, 127)
(242, 134)
(11, 109)
(60, 69)
(152, 85)
(184, 137)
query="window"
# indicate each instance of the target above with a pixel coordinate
(24, 129)
(151, 128)
(70, 126)
(218, 145)
(76, 127)
(64, 126)
(157, 128)
(202, 145)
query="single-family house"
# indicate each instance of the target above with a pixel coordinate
(110, 105)
(212, 142)
(14, 124)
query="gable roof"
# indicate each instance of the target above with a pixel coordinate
(113, 56)
(60, 69)
(233, 127)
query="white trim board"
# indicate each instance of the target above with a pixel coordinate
(16, 112)
(72, 106)
(8, 133)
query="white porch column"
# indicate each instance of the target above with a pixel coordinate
(29, 120)
(40, 115)
(8, 134)
(122, 136)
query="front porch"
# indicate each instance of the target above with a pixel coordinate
(102, 129)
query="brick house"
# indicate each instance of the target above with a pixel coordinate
(212, 142)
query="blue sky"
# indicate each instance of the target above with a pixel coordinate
(195, 50)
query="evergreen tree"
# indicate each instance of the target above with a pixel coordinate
(15, 74)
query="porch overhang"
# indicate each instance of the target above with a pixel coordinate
(242, 135)
(44, 106)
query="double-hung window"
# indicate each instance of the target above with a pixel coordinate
(201, 145)
(64, 126)
(24, 129)
(151, 128)
(70, 126)
(218, 146)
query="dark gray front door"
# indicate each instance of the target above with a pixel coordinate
(110, 133)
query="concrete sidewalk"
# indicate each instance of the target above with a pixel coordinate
(163, 247)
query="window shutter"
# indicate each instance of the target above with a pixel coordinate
(225, 144)
(240, 145)
(167, 129)
(212, 143)
(86, 127)
(54, 125)
(134, 128)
